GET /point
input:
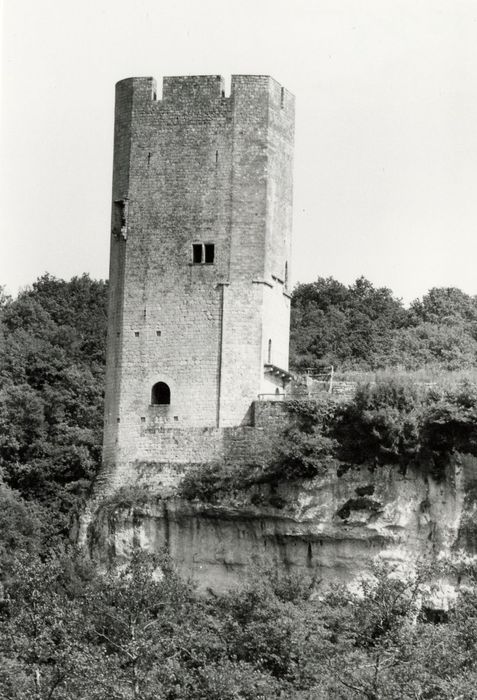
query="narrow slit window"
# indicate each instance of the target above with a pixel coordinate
(269, 351)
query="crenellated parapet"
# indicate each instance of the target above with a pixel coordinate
(202, 92)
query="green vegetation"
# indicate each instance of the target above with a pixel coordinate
(70, 633)
(52, 355)
(363, 328)
(305, 449)
(389, 422)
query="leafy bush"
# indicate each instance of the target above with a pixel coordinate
(126, 497)
(306, 448)
(394, 422)
(208, 480)
(142, 632)
(450, 425)
(303, 451)
(381, 425)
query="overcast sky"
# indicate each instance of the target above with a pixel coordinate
(386, 126)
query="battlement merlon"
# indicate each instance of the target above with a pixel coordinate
(205, 89)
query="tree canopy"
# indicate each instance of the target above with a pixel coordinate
(361, 327)
(52, 355)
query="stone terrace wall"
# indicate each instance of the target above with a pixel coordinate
(165, 453)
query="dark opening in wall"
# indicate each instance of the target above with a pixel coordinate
(160, 394)
(282, 97)
(269, 351)
(203, 253)
(196, 253)
(209, 252)
(120, 218)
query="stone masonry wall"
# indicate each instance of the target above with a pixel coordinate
(163, 453)
(194, 167)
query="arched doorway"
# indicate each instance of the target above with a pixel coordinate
(160, 394)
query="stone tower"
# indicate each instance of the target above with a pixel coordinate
(200, 255)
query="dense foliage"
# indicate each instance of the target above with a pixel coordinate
(388, 422)
(52, 355)
(68, 632)
(71, 634)
(306, 448)
(362, 327)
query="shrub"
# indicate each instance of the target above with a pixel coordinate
(450, 425)
(381, 425)
(126, 497)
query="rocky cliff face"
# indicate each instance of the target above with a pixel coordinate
(331, 527)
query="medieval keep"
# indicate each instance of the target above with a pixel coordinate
(200, 255)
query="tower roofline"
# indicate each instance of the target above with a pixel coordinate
(213, 85)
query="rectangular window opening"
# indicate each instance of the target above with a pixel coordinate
(209, 252)
(158, 333)
(203, 253)
(136, 333)
(197, 253)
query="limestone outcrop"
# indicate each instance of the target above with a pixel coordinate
(331, 527)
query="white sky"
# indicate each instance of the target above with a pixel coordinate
(386, 127)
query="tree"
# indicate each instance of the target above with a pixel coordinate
(42, 634)
(345, 326)
(444, 305)
(51, 402)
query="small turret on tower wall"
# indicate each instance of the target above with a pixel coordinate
(200, 256)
